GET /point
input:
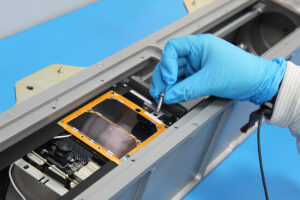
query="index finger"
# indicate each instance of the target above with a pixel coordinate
(174, 49)
(158, 85)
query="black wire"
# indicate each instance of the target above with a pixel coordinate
(259, 156)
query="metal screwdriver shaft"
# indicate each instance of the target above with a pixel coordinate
(161, 98)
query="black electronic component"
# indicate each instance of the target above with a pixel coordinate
(63, 152)
(60, 153)
(66, 154)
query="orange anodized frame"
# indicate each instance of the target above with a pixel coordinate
(160, 126)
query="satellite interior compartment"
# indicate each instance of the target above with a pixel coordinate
(96, 135)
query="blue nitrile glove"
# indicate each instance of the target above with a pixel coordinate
(200, 65)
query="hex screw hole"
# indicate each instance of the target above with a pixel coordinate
(138, 110)
(53, 107)
(132, 160)
(29, 87)
(285, 30)
(26, 166)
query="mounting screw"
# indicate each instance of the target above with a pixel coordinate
(60, 70)
(195, 124)
(99, 65)
(29, 87)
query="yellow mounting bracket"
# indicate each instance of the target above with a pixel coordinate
(192, 5)
(43, 79)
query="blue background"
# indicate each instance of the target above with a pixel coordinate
(92, 33)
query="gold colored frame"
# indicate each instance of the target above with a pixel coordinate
(160, 126)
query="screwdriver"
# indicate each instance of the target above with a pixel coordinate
(161, 98)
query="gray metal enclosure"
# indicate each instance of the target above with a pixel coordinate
(188, 158)
(174, 162)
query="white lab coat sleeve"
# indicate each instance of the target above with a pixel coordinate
(286, 112)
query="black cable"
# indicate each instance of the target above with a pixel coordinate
(260, 157)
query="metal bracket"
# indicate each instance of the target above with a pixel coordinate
(43, 79)
(192, 5)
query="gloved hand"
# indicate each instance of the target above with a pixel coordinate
(200, 65)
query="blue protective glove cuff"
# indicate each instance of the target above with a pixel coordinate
(271, 86)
